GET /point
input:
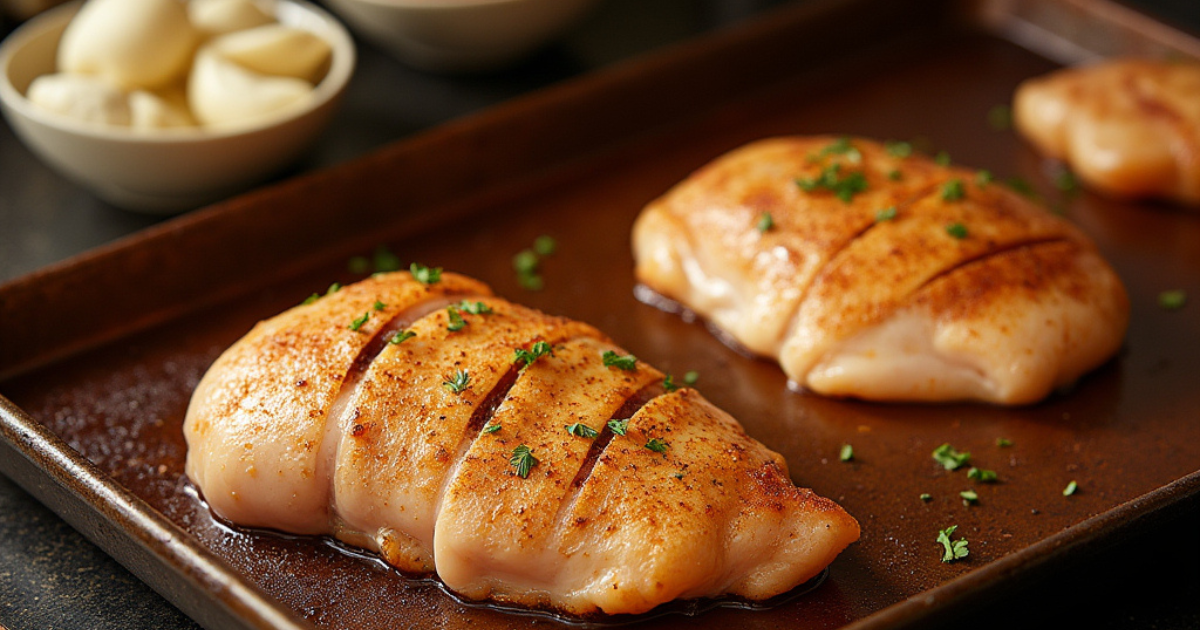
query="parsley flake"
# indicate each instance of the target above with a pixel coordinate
(847, 453)
(1172, 300)
(385, 261)
(896, 148)
(310, 299)
(982, 475)
(359, 321)
(949, 458)
(526, 261)
(957, 230)
(765, 222)
(545, 245)
(942, 158)
(1071, 489)
(620, 427)
(841, 146)
(953, 550)
(953, 190)
(581, 430)
(999, 117)
(474, 308)
(669, 384)
(523, 460)
(536, 351)
(691, 377)
(456, 322)
(333, 288)
(983, 178)
(895, 175)
(1003, 442)
(401, 337)
(425, 275)
(492, 428)
(459, 382)
(885, 214)
(379, 306)
(926, 497)
(626, 362)
(657, 445)
(969, 497)
(831, 179)
(1021, 186)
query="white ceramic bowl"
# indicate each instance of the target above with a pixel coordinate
(459, 35)
(165, 170)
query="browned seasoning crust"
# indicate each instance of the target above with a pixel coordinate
(414, 448)
(842, 285)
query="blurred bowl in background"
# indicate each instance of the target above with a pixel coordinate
(459, 35)
(166, 170)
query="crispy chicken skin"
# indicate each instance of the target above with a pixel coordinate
(320, 422)
(919, 282)
(1126, 127)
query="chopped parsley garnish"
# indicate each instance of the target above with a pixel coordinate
(765, 222)
(983, 178)
(657, 445)
(545, 245)
(949, 458)
(333, 288)
(1003, 442)
(379, 306)
(1071, 488)
(841, 146)
(620, 427)
(982, 475)
(1021, 186)
(999, 117)
(896, 148)
(691, 377)
(953, 190)
(581, 430)
(969, 497)
(1172, 300)
(1066, 182)
(626, 362)
(942, 158)
(456, 322)
(847, 453)
(953, 549)
(526, 261)
(926, 497)
(523, 460)
(885, 214)
(359, 321)
(310, 299)
(459, 382)
(831, 179)
(957, 230)
(474, 308)
(492, 428)
(536, 351)
(425, 275)
(385, 260)
(401, 337)
(669, 384)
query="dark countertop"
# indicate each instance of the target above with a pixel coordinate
(51, 577)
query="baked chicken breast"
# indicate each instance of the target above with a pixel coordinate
(868, 271)
(522, 457)
(1126, 127)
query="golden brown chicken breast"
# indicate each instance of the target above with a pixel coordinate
(871, 272)
(525, 458)
(1127, 127)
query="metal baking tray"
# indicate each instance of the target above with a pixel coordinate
(98, 355)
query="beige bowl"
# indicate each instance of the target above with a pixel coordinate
(167, 170)
(459, 35)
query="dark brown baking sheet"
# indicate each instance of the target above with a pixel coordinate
(99, 355)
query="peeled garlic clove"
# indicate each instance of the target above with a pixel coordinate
(149, 110)
(277, 50)
(217, 17)
(222, 93)
(81, 97)
(132, 43)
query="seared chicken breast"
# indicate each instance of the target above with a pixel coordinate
(522, 457)
(1126, 127)
(871, 272)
